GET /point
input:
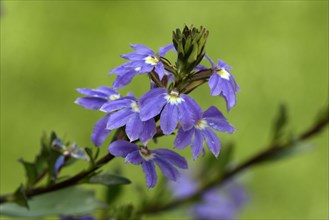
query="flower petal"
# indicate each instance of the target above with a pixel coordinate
(134, 158)
(169, 118)
(116, 105)
(228, 93)
(151, 103)
(142, 49)
(165, 49)
(167, 169)
(159, 69)
(123, 80)
(107, 90)
(189, 112)
(217, 121)
(100, 131)
(214, 84)
(148, 131)
(197, 144)
(93, 103)
(210, 60)
(122, 148)
(119, 118)
(150, 174)
(183, 138)
(172, 157)
(134, 127)
(212, 141)
(92, 92)
(58, 164)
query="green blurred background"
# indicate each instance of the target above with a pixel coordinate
(278, 51)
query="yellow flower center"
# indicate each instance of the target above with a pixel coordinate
(146, 153)
(151, 60)
(114, 97)
(223, 73)
(134, 106)
(173, 98)
(202, 124)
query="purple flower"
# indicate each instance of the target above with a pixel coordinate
(166, 160)
(175, 107)
(143, 60)
(95, 98)
(222, 202)
(67, 151)
(125, 112)
(202, 130)
(100, 131)
(223, 83)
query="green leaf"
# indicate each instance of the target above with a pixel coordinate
(280, 123)
(69, 201)
(89, 152)
(30, 171)
(108, 179)
(20, 197)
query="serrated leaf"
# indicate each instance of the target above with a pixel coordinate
(20, 197)
(30, 172)
(108, 179)
(69, 201)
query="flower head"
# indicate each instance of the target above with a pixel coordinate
(166, 160)
(223, 83)
(173, 106)
(126, 112)
(143, 60)
(202, 130)
(67, 151)
(95, 98)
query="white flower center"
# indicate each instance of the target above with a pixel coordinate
(114, 97)
(138, 69)
(134, 106)
(146, 154)
(173, 98)
(223, 73)
(202, 124)
(151, 60)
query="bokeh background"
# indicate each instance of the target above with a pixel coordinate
(278, 51)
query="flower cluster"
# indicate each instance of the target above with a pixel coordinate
(166, 107)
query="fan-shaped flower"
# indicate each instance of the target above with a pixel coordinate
(95, 98)
(168, 161)
(223, 83)
(143, 60)
(176, 107)
(125, 112)
(202, 130)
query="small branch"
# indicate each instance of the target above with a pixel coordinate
(258, 158)
(120, 134)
